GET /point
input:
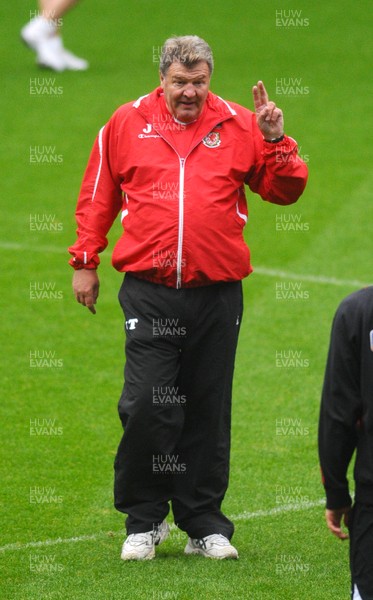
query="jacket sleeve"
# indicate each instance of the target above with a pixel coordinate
(279, 175)
(340, 412)
(99, 201)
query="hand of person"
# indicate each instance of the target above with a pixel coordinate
(269, 118)
(86, 286)
(334, 519)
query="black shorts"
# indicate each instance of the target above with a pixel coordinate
(361, 551)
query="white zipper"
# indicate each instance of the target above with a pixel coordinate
(179, 259)
(181, 223)
(179, 255)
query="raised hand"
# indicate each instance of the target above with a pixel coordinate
(269, 118)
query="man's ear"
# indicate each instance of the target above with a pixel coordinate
(161, 79)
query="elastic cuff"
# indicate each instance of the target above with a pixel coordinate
(77, 265)
(336, 499)
(275, 140)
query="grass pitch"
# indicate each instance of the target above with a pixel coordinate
(61, 536)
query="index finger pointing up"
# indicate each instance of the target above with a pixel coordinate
(260, 95)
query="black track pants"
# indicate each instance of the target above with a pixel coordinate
(361, 551)
(176, 405)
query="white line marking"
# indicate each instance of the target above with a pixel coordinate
(22, 248)
(310, 278)
(257, 270)
(245, 516)
(44, 543)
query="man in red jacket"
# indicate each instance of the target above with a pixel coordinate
(175, 163)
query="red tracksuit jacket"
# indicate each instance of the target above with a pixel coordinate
(181, 191)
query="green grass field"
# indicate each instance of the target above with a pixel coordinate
(59, 425)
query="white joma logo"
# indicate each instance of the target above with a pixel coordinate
(131, 323)
(148, 128)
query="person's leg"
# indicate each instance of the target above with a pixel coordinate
(55, 9)
(42, 34)
(206, 374)
(361, 552)
(151, 427)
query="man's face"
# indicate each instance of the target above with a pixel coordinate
(186, 90)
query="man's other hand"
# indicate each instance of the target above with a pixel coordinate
(86, 287)
(334, 519)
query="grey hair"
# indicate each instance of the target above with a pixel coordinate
(187, 50)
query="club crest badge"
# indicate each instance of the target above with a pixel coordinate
(212, 140)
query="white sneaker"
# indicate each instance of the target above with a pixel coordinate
(141, 546)
(37, 30)
(72, 62)
(52, 54)
(211, 546)
(40, 34)
(49, 53)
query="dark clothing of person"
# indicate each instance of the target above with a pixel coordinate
(346, 425)
(176, 404)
